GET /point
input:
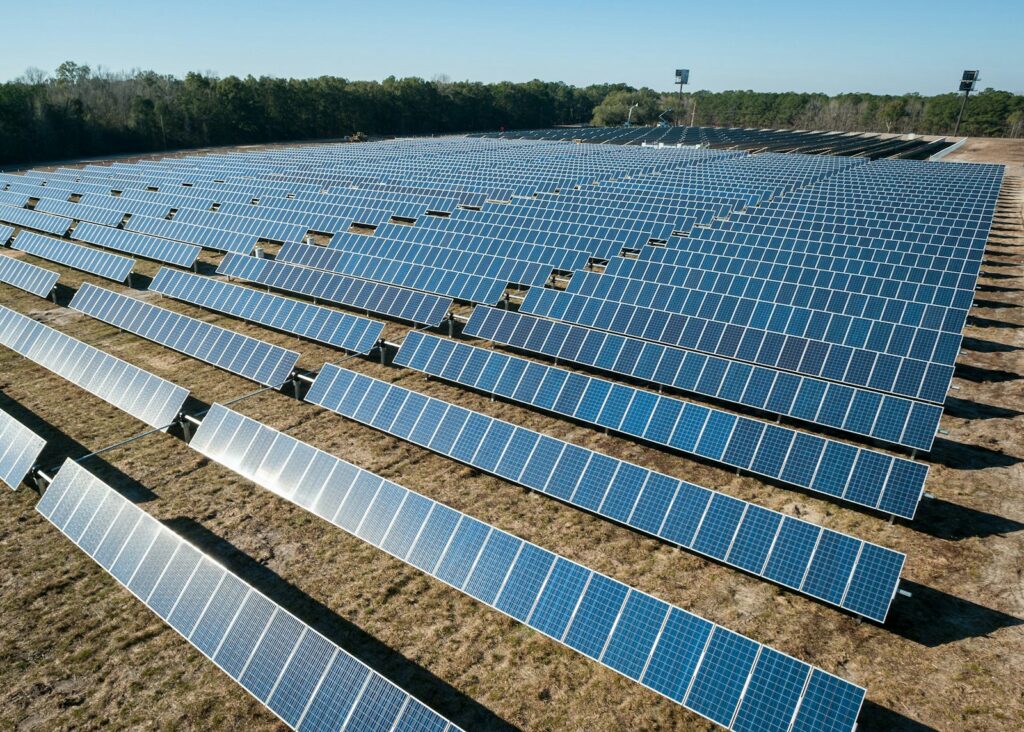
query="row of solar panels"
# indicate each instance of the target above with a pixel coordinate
(642, 638)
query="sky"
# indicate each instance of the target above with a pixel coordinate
(870, 46)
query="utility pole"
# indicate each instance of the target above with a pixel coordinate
(967, 82)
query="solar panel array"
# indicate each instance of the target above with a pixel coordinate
(866, 477)
(19, 450)
(146, 397)
(103, 264)
(297, 673)
(321, 324)
(150, 247)
(251, 358)
(27, 277)
(396, 302)
(833, 567)
(827, 291)
(721, 675)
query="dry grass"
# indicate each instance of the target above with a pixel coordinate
(77, 651)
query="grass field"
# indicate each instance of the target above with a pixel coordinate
(79, 652)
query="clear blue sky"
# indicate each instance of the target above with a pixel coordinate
(872, 46)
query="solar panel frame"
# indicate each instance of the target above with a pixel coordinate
(26, 276)
(165, 572)
(332, 327)
(147, 397)
(242, 355)
(512, 576)
(102, 264)
(19, 450)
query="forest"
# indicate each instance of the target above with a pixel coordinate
(76, 112)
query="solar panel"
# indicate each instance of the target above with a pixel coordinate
(35, 220)
(859, 411)
(340, 259)
(103, 264)
(857, 367)
(765, 543)
(855, 474)
(930, 331)
(9, 198)
(317, 323)
(251, 358)
(459, 285)
(146, 397)
(6, 232)
(19, 450)
(704, 667)
(28, 277)
(150, 247)
(309, 682)
(80, 212)
(396, 302)
(224, 241)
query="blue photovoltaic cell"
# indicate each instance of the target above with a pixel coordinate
(734, 532)
(396, 302)
(627, 630)
(317, 323)
(104, 264)
(869, 479)
(254, 359)
(851, 409)
(273, 655)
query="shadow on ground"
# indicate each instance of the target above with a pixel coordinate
(953, 522)
(969, 409)
(979, 322)
(876, 718)
(982, 345)
(961, 456)
(982, 375)
(933, 618)
(446, 699)
(60, 445)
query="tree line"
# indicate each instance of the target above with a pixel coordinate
(989, 113)
(77, 112)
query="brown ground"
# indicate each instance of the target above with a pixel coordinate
(78, 652)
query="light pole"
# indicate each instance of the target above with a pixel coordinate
(682, 77)
(629, 117)
(967, 82)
